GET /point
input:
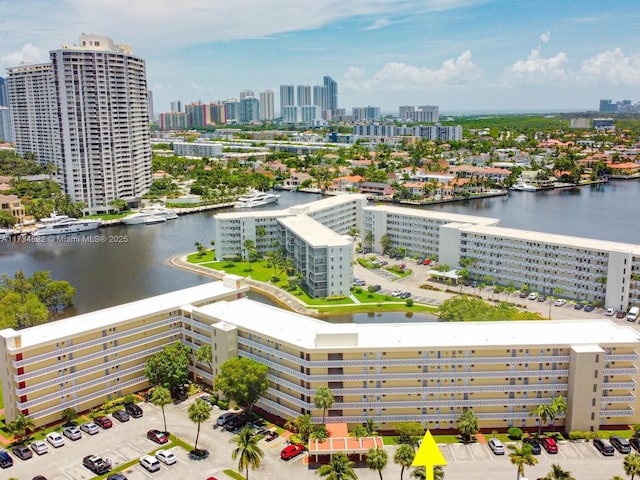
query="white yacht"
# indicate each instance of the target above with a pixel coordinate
(149, 216)
(5, 234)
(255, 198)
(522, 186)
(65, 225)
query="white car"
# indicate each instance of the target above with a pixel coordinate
(90, 427)
(559, 302)
(150, 463)
(396, 293)
(39, 447)
(55, 439)
(533, 296)
(610, 312)
(166, 456)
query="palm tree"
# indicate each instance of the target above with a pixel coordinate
(404, 457)
(557, 473)
(249, 246)
(420, 473)
(632, 464)
(467, 425)
(377, 460)
(248, 453)
(20, 427)
(522, 456)
(205, 355)
(371, 427)
(543, 413)
(160, 397)
(338, 468)
(199, 412)
(324, 400)
(559, 405)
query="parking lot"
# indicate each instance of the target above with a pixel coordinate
(127, 441)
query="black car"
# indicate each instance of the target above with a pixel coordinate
(589, 308)
(5, 460)
(226, 418)
(22, 451)
(578, 306)
(405, 295)
(635, 443)
(603, 447)
(121, 415)
(536, 449)
(116, 476)
(621, 444)
(236, 422)
(542, 298)
(134, 410)
(377, 288)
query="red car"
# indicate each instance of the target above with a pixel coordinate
(157, 436)
(103, 422)
(549, 444)
(291, 451)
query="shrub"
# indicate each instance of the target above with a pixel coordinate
(409, 302)
(131, 398)
(336, 297)
(515, 433)
(576, 435)
(223, 404)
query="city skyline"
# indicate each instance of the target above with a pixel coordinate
(464, 55)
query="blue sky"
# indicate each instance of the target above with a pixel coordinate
(463, 55)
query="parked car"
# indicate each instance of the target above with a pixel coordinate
(535, 445)
(22, 451)
(603, 446)
(533, 296)
(589, 308)
(621, 314)
(549, 444)
(377, 288)
(72, 433)
(496, 446)
(55, 439)
(41, 477)
(291, 451)
(96, 464)
(578, 306)
(116, 476)
(523, 294)
(157, 436)
(103, 422)
(134, 410)
(359, 283)
(225, 418)
(405, 295)
(560, 302)
(270, 435)
(635, 443)
(151, 464)
(121, 415)
(396, 293)
(619, 443)
(39, 447)
(5, 459)
(542, 298)
(166, 456)
(610, 312)
(90, 428)
(236, 422)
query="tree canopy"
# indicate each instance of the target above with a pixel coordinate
(28, 301)
(242, 380)
(169, 368)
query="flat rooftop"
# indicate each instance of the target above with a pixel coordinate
(304, 332)
(313, 232)
(109, 317)
(436, 215)
(553, 238)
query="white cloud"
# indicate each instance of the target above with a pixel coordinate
(378, 24)
(545, 37)
(401, 76)
(536, 70)
(612, 67)
(27, 54)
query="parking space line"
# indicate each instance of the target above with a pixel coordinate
(579, 452)
(453, 453)
(470, 451)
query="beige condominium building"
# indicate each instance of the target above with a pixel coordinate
(422, 372)
(84, 361)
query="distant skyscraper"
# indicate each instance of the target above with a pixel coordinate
(267, 105)
(304, 95)
(86, 112)
(152, 117)
(217, 113)
(607, 106)
(232, 110)
(423, 113)
(198, 114)
(320, 96)
(176, 106)
(365, 113)
(291, 114)
(332, 94)
(287, 97)
(4, 101)
(249, 110)
(246, 93)
(6, 133)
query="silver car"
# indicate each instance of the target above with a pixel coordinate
(72, 433)
(90, 428)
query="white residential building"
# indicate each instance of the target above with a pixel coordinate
(197, 149)
(267, 105)
(87, 112)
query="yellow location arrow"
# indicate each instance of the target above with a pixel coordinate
(428, 455)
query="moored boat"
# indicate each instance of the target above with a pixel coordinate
(255, 198)
(65, 225)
